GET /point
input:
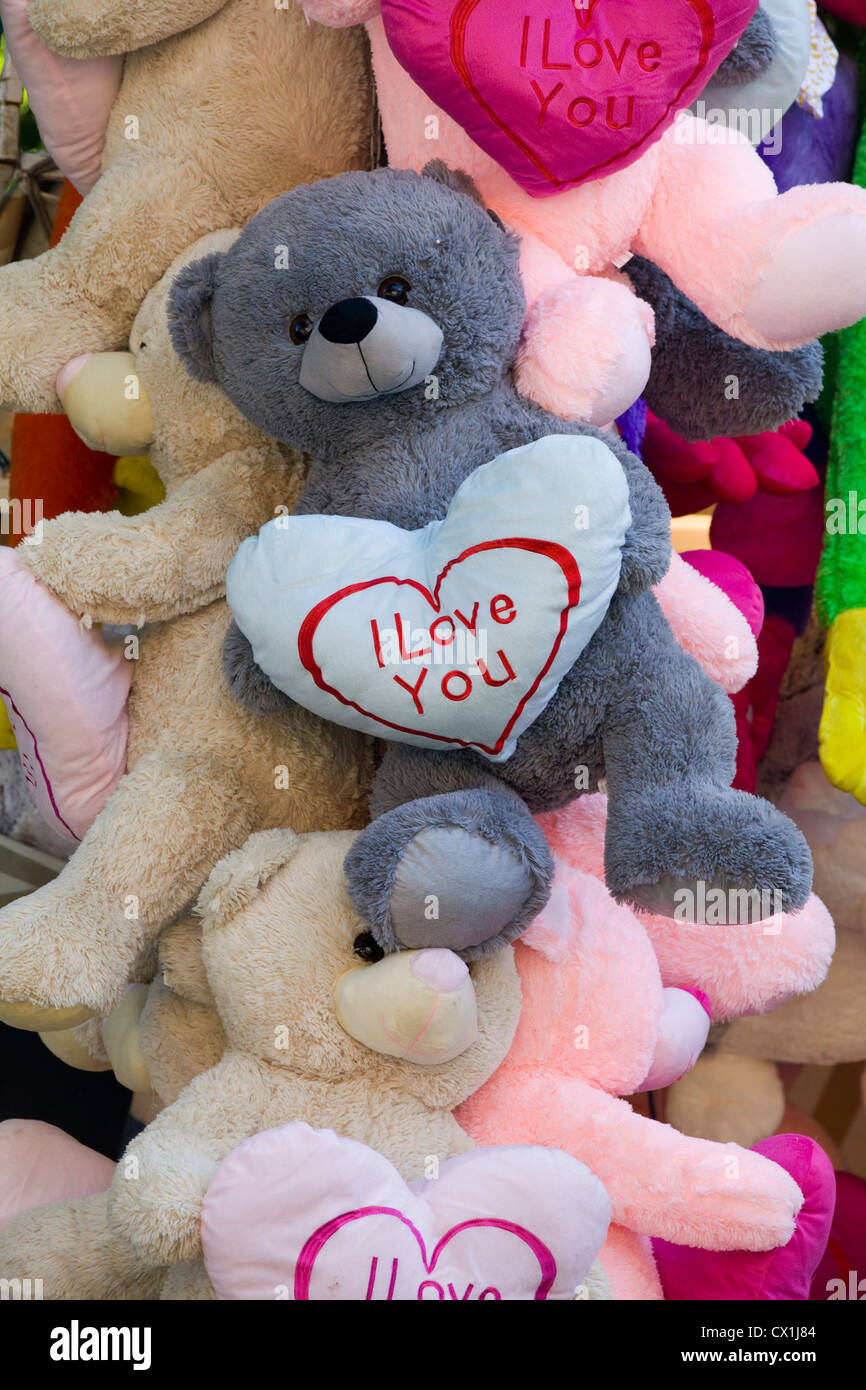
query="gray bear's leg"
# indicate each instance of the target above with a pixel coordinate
(676, 829)
(453, 858)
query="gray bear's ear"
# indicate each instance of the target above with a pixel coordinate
(752, 55)
(452, 178)
(461, 183)
(189, 316)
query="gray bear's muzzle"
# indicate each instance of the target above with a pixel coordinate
(368, 347)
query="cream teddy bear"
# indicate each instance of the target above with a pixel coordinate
(200, 773)
(318, 1028)
(222, 105)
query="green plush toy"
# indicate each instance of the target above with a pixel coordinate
(841, 583)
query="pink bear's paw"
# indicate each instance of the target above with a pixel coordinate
(740, 1200)
(781, 1273)
(816, 280)
(586, 350)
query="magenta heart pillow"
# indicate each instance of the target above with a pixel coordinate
(568, 90)
(300, 1214)
(454, 635)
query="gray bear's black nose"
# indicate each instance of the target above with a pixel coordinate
(348, 321)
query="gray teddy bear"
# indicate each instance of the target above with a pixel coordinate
(391, 276)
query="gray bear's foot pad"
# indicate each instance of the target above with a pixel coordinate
(466, 870)
(717, 856)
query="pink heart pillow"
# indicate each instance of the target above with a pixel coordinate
(65, 690)
(300, 1214)
(71, 98)
(561, 91)
(40, 1164)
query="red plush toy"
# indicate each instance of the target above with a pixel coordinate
(694, 476)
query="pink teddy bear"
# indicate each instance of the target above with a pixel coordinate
(772, 270)
(613, 1004)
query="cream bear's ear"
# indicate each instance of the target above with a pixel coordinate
(236, 880)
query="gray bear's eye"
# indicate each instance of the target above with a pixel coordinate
(396, 288)
(300, 328)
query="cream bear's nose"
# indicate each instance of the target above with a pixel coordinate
(106, 403)
(415, 1005)
(441, 970)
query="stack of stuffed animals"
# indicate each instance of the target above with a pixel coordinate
(408, 777)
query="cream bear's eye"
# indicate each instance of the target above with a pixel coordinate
(367, 948)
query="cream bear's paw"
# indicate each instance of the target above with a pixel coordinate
(63, 958)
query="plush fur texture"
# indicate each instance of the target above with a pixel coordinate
(751, 55)
(278, 932)
(698, 202)
(202, 773)
(693, 362)
(581, 1043)
(633, 708)
(234, 102)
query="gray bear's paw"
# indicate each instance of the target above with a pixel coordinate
(467, 870)
(247, 681)
(708, 855)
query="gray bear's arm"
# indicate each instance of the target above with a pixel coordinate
(247, 681)
(646, 554)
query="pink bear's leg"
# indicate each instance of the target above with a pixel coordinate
(65, 691)
(772, 270)
(586, 350)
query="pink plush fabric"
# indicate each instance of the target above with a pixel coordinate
(699, 202)
(557, 93)
(627, 1260)
(329, 1219)
(841, 1274)
(743, 969)
(71, 98)
(65, 690)
(682, 1033)
(588, 1033)
(711, 611)
(40, 1164)
(785, 1273)
(566, 309)
(732, 577)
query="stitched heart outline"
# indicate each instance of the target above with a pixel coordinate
(318, 1240)
(551, 549)
(460, 17)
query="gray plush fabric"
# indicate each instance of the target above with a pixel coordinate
(693, 360)
(634, 708)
